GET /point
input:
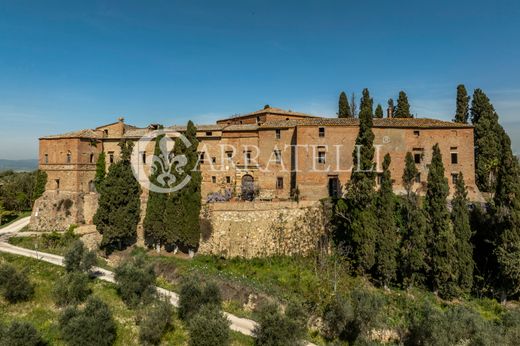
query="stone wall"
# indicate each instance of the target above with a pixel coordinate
(258, 229)
(58, 210)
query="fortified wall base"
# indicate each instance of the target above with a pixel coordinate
(57, 210)
(260, 229)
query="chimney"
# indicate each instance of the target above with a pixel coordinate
(390, 112)
(121, 119)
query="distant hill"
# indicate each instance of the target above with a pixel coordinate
(18, 165)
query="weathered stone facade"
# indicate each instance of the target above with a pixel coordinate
(258, 229)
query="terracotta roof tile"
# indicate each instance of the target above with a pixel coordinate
(270, 110)
(384, 122)
(86, 133)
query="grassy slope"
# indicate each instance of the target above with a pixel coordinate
(43, 314)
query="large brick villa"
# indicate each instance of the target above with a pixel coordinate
(273, 150)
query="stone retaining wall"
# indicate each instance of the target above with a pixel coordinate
(259, 229)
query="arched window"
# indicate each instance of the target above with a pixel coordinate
(69, 157)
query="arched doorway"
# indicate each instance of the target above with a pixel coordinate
(248, 187)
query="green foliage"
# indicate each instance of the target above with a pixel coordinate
(193, 296)
(462, 231)
(119, 203)
(15, 285)
(135, 281)
(379, 111)
(506, 214)
(40, 178)
(182, 211)
(209, 327)
(443, 255)
(356, 224)
(413, 250)
(16, 190)
(410, 172)
(462, 112)
(403, 107)
(337, 314)
(344, 110)
(153, 224)
(488, 141)
(387, 240)
(456, 326)
(92, 325)
(20, 334)
(100, 171)
(277, 329)
(367, 314)
(77, 258)
(156, 320)
(71, 289)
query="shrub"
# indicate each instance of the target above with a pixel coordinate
(20, 334)
(15, 285)
(193, 296)
(208, 327)
(367, 314)
(276, 329)
(511, 326)
(336, 315)
(135, 281)
(78, 258)
(72, 288)
(93, 325)
(156, 320)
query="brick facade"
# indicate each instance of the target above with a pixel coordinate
(286, 149)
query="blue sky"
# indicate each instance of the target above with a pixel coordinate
(66, 65)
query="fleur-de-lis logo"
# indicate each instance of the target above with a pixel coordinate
(166, 170)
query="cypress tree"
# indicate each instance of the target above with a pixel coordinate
(119, 203)
(379, 111)
(153, 224)
(358, 229)
(387, 240)
(182, 210)
(462, 231)
(506, 215)
(40, 180)
(100, 171)
(443, 256)
(344, 110)
(462, 112)
(403, 107)
(391, 105)
(353, 105)
(488, 141)
(413, 249)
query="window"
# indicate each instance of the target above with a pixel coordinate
(417, 157)
(213, 179)
(278, 133)
(454, 178)
(279, 183)
(228, 180)
(257, 119)
(209, 133)
(418, 178)
(91, 158)
(46, 159)
(247, 157)
(416, 133)
(105, 132)
(57, 184)
(321, 132)
(278, 156)
(454, 158)
(321, 155)
(69, 157)
(213, 159)
(143, 157)
(201, 157)
(111, 156)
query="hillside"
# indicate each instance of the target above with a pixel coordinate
(18, 165)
